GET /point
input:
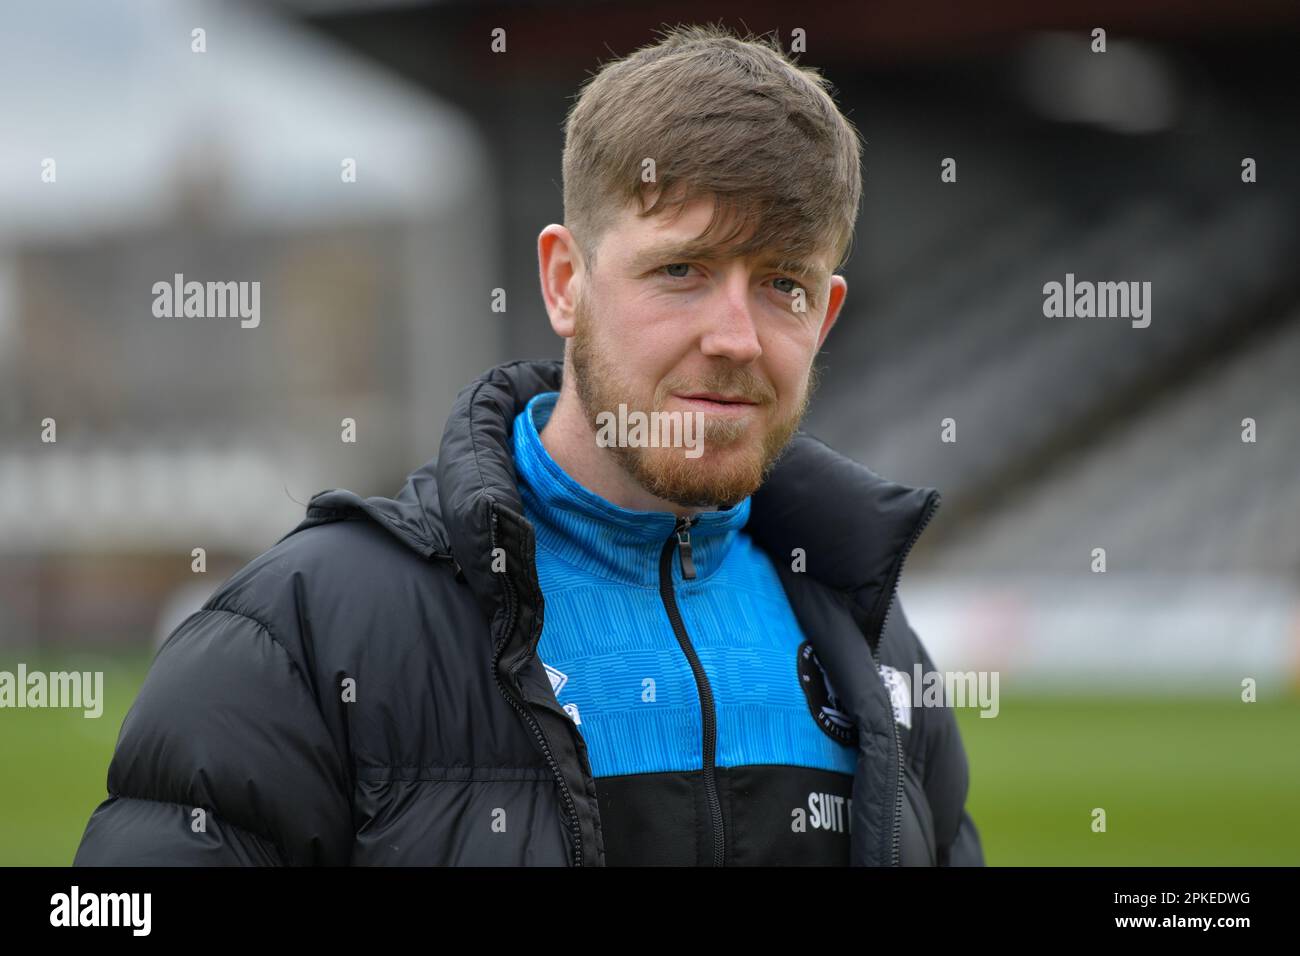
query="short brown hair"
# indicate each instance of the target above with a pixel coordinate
(722, 116)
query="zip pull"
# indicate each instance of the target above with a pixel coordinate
(683, 532)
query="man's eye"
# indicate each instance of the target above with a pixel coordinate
(685, 269)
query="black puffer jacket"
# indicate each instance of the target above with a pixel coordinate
(367, 691)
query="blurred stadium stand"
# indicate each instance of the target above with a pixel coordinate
(1173, 488)
(974, 345)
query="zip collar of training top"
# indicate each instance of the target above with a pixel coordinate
(850, 527)
(618, 545)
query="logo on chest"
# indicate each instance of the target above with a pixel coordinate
(823, 702)
(558, 679)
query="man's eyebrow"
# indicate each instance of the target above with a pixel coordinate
(674, 251)
(808, 271)
(668, 252)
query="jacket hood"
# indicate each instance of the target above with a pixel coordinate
(853, 526)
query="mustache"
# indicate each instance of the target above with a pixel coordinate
(746, 386)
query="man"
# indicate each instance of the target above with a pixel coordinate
(563, 643)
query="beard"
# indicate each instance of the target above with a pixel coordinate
(737, 455)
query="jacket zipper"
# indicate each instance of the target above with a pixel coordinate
(895, 852)
(683, 533)
(571, 811)
(681, 537)
(932, 507)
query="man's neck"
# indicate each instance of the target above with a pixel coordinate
(571, 440)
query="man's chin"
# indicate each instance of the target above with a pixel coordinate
(720, 476)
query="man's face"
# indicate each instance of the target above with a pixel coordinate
(653, 330)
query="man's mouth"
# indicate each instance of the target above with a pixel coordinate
(717, 403)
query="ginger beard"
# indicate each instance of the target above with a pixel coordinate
(737, 456)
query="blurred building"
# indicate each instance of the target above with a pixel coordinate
(129, 157)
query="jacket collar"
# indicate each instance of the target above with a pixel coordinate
(850, 527)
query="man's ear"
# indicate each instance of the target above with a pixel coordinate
(561, 270)
(834, 302)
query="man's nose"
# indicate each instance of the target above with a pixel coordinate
(731, 331)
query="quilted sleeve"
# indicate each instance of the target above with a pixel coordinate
(224, 759)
